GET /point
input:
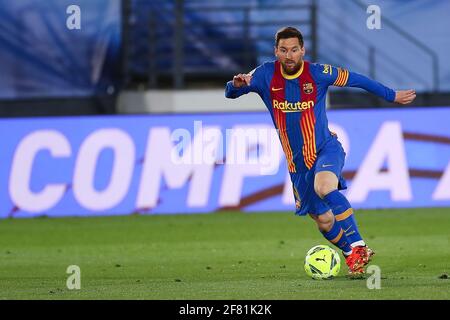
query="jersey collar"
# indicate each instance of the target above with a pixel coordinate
(294, 76)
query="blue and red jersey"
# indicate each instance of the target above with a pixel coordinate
(297, 104)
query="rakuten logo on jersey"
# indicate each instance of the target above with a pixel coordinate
(293, 107)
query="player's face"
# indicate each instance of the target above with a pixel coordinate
(290, 54)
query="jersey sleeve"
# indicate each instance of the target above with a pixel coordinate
(255, 85)
(339, 77)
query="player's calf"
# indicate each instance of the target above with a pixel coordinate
(332, 231)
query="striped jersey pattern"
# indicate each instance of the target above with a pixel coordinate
(297, 104)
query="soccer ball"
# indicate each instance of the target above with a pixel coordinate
(322, 262)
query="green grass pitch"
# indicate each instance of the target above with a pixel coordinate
(227, 255)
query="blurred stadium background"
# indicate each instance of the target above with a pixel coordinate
(88, 113)
(137, 49)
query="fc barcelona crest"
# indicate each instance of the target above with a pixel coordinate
(308, 88)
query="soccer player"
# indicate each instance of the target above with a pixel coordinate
(294, 91)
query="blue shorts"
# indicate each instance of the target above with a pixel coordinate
(330, 158)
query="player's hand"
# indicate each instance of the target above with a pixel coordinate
(241, 80)
(405, 96)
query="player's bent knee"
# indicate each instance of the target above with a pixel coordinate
(322, 189)
(324, 183)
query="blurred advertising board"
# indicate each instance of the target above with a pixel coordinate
(201, 163)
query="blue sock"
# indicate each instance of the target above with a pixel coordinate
(337, 237)
(343, 212)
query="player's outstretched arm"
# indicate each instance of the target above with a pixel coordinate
(244, 83)
(241, 84)
(241, 80)
(363, 82)
(405, 96)
(343, 78)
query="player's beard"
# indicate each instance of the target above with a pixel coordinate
(290, 70)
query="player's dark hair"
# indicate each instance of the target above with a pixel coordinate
(288, 32)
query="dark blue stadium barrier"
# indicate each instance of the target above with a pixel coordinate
(41, 57)
(343, 38)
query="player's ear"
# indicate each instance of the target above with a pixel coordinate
(275, 51)
(302, 51)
